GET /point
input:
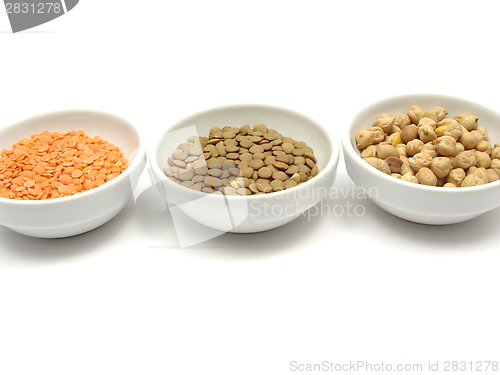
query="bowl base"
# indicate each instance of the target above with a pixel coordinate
(425, 219)
(72, 230)
(252, 226)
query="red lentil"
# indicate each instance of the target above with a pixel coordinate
(51, 165)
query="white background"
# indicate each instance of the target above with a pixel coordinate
(125, 299)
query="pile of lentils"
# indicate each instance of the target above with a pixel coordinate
(242, 161)
(53, 165)
(428, 148)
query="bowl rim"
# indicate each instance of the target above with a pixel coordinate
(349, 150)
(141, 151)
(329, 167)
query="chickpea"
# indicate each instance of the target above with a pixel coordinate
(409, 133)
(481, 173)
(469, 140)
(379, 134)
(386, 150)
(482, 159)
(449, 127)
(369, 152)
(401, 149)
(431, 114)
(471, 170)
(469, 122)
(441, 166)
(364, 138)
(441, 113)
(479, 135)
(495, 165)
(394, 129)
(409, 177)
(415, 114)
(492, 175)
(465, 159)
(385, 122)
(473, 180)
(427, 121)
(420, 160)
(458, 148)
(395, 139)
(495, 153)
(430, 149)
(426, 177)
(445, 145)
(484, 146)
(406, 168)
(380, 164)
(402, 120)
(394, 164)
(426, 132)
(414, 146)
(456, 176)
(483, 132)
(436, 113)
(445, 122)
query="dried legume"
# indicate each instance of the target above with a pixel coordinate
(430, 149)
(52, 164)
(243, 161)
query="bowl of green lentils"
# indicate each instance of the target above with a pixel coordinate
(244, 168)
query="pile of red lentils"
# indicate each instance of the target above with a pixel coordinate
(52, 165)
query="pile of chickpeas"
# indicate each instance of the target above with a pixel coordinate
(429, 149)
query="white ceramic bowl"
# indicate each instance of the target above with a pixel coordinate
(419, 203)
(246, 214)
(68, 216)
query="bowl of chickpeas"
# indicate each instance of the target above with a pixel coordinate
(426, 158)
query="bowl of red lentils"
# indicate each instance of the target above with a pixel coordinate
(67, 172)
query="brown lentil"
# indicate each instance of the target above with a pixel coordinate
(241, 161)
